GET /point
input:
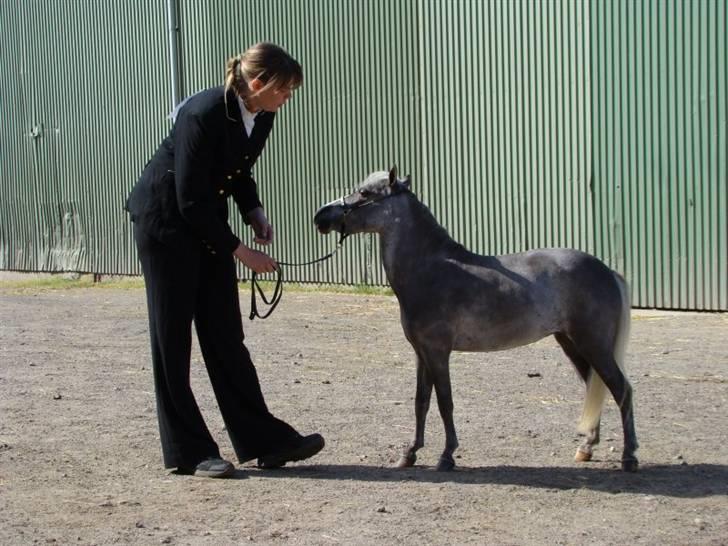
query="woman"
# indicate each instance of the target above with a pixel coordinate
(186, 248)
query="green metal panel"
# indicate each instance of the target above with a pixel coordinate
(659, 110)
(16, 159)
(505, 102)
(596, 125)
(356, 112)
(83, 83)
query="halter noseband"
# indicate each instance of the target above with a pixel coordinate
(365, 202)
(278, 290)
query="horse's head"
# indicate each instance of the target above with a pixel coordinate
(366, 209)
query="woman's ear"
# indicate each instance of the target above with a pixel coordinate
(256, 85)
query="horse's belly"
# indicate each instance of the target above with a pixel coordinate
(480, 338)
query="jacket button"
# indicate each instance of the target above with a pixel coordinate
(213, 252)
(221, 192)
(247, 157)
(230, 177)
(238, 171)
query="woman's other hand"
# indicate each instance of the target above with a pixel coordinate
(261, 227)
(258, 261)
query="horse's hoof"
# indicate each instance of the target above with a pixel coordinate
(582, 455)
(445, 465)
(406, 461)
(630, 465)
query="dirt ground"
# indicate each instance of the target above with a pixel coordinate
(80, 460)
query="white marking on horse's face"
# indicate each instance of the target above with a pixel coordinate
(365, 209)
(329, 216)
(335, 202)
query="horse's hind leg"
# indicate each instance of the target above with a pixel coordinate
(585, 451)
(622, 392)
(422, 405)
(606, 367)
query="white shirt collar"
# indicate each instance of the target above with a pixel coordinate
(248, 116)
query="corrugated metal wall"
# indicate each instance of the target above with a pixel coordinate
(597, 125)
(506, 122)
(358, 111)
(659, 148)
(83, 84)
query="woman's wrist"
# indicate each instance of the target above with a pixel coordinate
(241, 250)
(254, 259)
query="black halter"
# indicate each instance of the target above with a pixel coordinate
(396, 190)
(278, 290)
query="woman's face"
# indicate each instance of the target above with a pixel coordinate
(269, 99)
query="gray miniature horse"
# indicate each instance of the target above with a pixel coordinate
(452, 299)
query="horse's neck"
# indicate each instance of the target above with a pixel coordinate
(413, 234)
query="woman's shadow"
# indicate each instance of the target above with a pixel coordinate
(679, 480)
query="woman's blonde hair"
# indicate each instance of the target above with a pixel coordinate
(268, 62)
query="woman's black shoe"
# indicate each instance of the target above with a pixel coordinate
(212, 467)
(301, 448)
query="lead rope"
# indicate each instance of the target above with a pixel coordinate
(278, 290)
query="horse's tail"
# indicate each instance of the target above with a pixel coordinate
(596, 390)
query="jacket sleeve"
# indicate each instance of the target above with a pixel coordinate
(194, 147)
(246, 196)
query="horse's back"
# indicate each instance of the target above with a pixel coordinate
(561, 259)
(578, 287)
(570, 266)
(499, 302)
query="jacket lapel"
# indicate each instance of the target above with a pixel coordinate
(236, 135)
(239, 143)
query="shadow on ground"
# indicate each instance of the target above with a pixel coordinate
(684, 481)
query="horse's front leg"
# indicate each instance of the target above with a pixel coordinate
(439, 368)
(422, 405)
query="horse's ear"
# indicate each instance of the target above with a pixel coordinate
(407, 182)
(393, 175)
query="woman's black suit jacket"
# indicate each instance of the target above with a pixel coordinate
(179, 206)
(181, 197)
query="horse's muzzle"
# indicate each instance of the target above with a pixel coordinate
(329, 217)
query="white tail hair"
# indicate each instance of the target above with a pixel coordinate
(596, 390)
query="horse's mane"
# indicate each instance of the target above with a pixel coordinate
(430, 228)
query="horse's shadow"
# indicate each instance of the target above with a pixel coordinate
(685, 481)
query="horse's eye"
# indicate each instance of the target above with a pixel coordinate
(365, 193)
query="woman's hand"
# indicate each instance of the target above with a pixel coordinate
(261, 227)
(258, 261)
